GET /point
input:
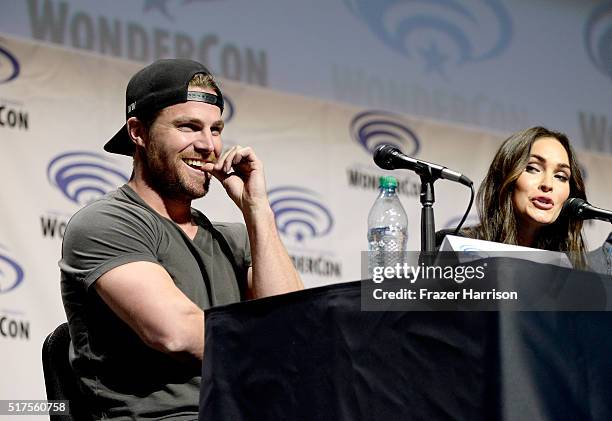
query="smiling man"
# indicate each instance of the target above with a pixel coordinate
(140, 265)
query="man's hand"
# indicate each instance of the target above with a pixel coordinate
(241, 174)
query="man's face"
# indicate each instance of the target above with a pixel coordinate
(180, 140)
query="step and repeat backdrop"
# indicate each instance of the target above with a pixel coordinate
(498, 64)
(58, 107)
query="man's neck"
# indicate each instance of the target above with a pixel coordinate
(178, 211)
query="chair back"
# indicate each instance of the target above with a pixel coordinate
(60, 380)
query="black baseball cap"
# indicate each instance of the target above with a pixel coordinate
(157, 86)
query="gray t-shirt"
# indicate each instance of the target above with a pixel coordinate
(122, 377)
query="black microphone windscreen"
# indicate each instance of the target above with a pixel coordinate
(573, 207)
(383, 156)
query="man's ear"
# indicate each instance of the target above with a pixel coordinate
(136, 131)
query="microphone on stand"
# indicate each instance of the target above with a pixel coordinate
(581, 209)
(391, 158)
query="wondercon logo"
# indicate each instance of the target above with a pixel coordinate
(598, 38)
(299, 213)
(9, 66)
(11, 273)
(162, 5)
(472, 251)
(84, 176)
(374, 128)
(436, 31)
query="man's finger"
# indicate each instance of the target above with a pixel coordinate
(221, 161)
(241, 154)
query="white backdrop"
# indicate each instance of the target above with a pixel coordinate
(58, 107)
(497, 64)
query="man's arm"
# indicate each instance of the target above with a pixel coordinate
(272, 271)
(144, 296)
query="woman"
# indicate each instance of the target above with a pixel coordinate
(521, 197)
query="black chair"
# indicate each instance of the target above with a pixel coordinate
(60, 380)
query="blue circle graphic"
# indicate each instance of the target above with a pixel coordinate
(11, 280)
(14, 70)
(374, 128)
(398, 23)
(299, 213)
(598, 38)
(84, 176)
(474, 252)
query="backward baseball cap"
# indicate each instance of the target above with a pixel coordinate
(159, 85)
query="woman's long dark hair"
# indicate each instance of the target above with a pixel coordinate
(498, 220)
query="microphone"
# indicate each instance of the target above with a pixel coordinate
(390, 158)
(581, 209)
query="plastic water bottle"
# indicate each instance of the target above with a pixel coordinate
(387, 227)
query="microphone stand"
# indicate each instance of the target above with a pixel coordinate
(428, 224)
(390, 158)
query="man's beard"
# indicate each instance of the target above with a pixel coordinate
(166, 177)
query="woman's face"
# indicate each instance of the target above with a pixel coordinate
(543, 187)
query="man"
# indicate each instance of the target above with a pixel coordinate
(140, 265)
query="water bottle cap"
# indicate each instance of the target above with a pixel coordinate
(387, 181)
